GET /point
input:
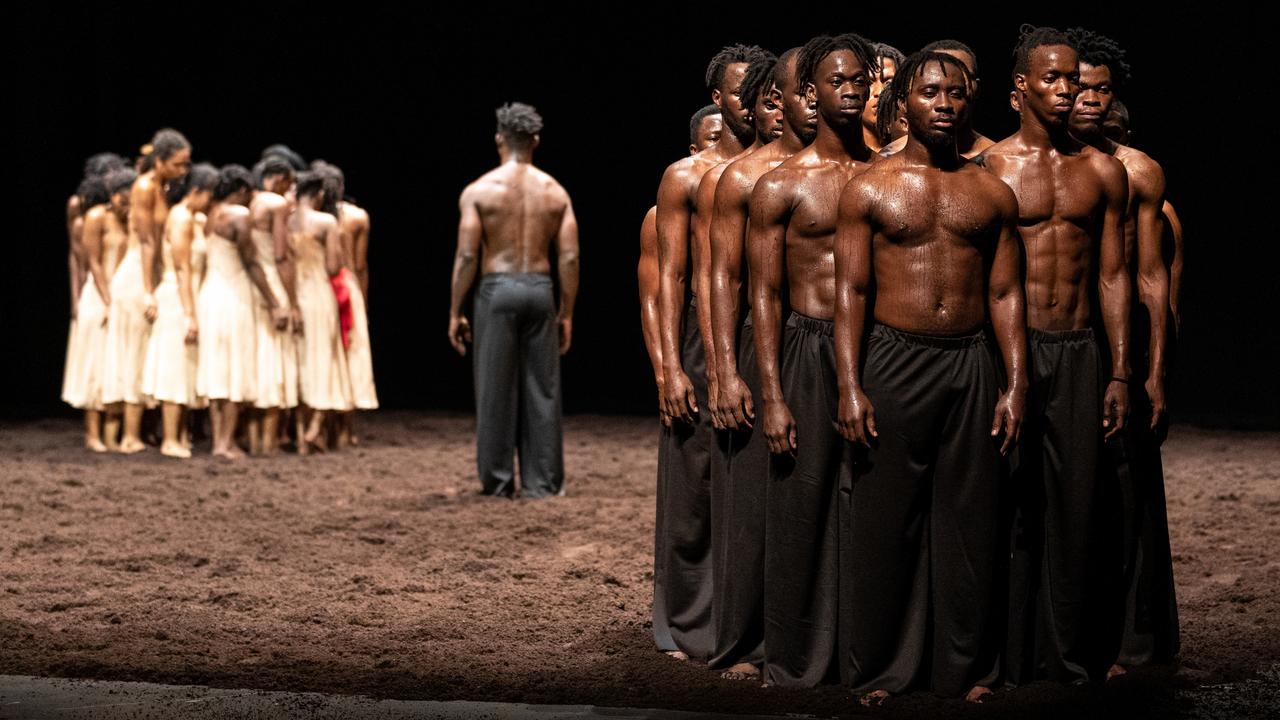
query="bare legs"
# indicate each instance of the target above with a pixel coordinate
(132, 440)
(111, 428)
(311, 434)
(172, 444)
(93, 431)
(224, 414)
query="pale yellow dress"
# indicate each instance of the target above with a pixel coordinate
(127, 330)
(169, 375)
(87, 347)
(225, 311)
(364, 394)
(198, 247)
(325, 382)
(277, 354)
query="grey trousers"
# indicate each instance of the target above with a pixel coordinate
(517, 378)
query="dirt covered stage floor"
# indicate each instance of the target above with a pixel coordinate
(379, 572)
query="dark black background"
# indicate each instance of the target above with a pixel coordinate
(402, 98)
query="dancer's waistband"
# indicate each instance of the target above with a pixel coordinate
(1059, 336)
(946, 342)
(817, 326)
(526, 278)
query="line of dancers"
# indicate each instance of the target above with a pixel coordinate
(236, 291)
(939, 469)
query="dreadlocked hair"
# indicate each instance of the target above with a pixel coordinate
(1098, 49)
(885, 51)
(1032, 37)
(518, 123)
(758, 78)
(727, 56)
(817, 49)
(911, 68)
(887, 112)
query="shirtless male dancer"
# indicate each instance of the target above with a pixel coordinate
(791, 235)
(133, 305)
(1116, 127)
(936, 237)
(1071, 206)
(888, 58)
(682, 585)
(704, 131)
(971, 142)
(1145, 590)
(277, 356)
(512, 218)
(737, 516)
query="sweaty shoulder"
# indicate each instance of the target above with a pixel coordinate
(993, 187)
(96, 213)
(1145, 174)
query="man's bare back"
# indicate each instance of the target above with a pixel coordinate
(521, 209)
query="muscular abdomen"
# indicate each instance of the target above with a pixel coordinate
(1060, 263)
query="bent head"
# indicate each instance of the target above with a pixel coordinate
(274, 174)
(1116, 125)
(119, 184)
(235, 185)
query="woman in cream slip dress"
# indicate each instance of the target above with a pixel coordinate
(227, 362)
(103, 237)
(169, 376)
(198, 264)
(364, 393)
(126, 342)
(277, 352)
(325, 383)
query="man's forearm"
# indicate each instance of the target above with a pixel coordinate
(567, 265)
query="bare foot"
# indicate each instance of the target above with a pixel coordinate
(129, 446)
(875, 698)
(175, 450)
(677, 655)
(95, 445)
(978, 694)
(1116, 671)
(741, 671)
(231, 453)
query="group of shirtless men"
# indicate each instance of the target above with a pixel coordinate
(234, 290)
(940, 470)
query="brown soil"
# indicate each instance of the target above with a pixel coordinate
(378, 571)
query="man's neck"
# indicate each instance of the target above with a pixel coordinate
(790, 142)
(943, 157)
(730, 145)
(871, 139)
(840, 144)
(517, 157)
(1094, 138)
(1037, 134)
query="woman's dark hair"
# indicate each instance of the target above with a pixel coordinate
(166, 142)
(232, 179)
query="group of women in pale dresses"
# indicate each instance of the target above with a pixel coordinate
(199, 288)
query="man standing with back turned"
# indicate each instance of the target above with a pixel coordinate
(510, 217)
